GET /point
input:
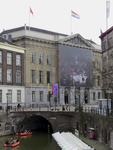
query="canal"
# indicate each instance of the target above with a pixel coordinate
(37, 141)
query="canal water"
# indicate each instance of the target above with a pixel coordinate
(36, 141)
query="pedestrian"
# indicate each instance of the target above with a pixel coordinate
(63, 108)
(19, 107)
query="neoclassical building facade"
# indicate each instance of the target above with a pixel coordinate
(43, 66)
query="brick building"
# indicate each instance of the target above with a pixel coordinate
(11, 73)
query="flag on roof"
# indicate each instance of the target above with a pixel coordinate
(101, 31)
(73, 14)
(31, 10)
(107, 9)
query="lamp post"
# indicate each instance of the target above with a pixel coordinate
(79, 99)
(107, 111)
(55, 100)
(7, 102)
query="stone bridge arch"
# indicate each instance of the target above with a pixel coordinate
(57, 121)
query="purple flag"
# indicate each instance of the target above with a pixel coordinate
(55, 88)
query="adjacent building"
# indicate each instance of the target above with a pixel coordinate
(12, 83)
(107, 61)
(58, 58)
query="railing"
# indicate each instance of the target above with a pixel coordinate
(36, 107)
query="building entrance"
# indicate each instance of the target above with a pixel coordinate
(66, 97)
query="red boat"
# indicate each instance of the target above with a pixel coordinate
(12, 145)
(24, 133)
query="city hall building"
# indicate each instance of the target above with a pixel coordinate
(70, 61)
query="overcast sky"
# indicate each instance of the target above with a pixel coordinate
(55, 15)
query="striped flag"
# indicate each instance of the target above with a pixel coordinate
(73, 14)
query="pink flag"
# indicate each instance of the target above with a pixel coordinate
(31, 10)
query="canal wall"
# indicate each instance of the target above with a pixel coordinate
(59, 121)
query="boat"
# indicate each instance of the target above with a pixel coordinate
(24, 133)
(12, 145)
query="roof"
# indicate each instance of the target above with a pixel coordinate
(32, 29)
(3, 40)
(106, 32)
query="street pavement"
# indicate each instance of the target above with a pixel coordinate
(94, 143)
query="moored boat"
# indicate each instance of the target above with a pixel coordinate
(24, 133)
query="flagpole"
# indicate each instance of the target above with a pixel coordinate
(71, 26)
(31, 93)
(29, 18)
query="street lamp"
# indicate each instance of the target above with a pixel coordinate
(107, 103)
(7, 102)
(55, 100)
(79, 99)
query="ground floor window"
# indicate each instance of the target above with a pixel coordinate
(98, 95)
(41, 96)
(33, 96)
(18, 95)
(94, 96)
(9, 95)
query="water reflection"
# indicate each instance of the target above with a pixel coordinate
(36, 141)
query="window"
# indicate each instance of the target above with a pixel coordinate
(32, 76)
(9, 58)
(93, 80)
(104, 45)
(0, 75)
(32, 57)
(40, 76)
(98, 95)
(40, 58)
(0, 56)
(110, 42)
(18, 95)
(98, 80)
(18, 77)
(9, 76)
(18, 60)
(33, 96)
(9, 96)
(48, 76)
(98, 65)
(5, 36)
(7, 127)
(48, 59)
(41, 96)
(94, 96)
(0, 96)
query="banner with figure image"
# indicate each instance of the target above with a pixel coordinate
(76, 66)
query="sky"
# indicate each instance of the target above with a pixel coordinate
(55, 15)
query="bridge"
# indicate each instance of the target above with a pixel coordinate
(52, 121)
(55, 119)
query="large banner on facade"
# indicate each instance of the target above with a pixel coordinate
(76, 66)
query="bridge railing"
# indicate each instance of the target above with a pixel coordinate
(92, 110)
